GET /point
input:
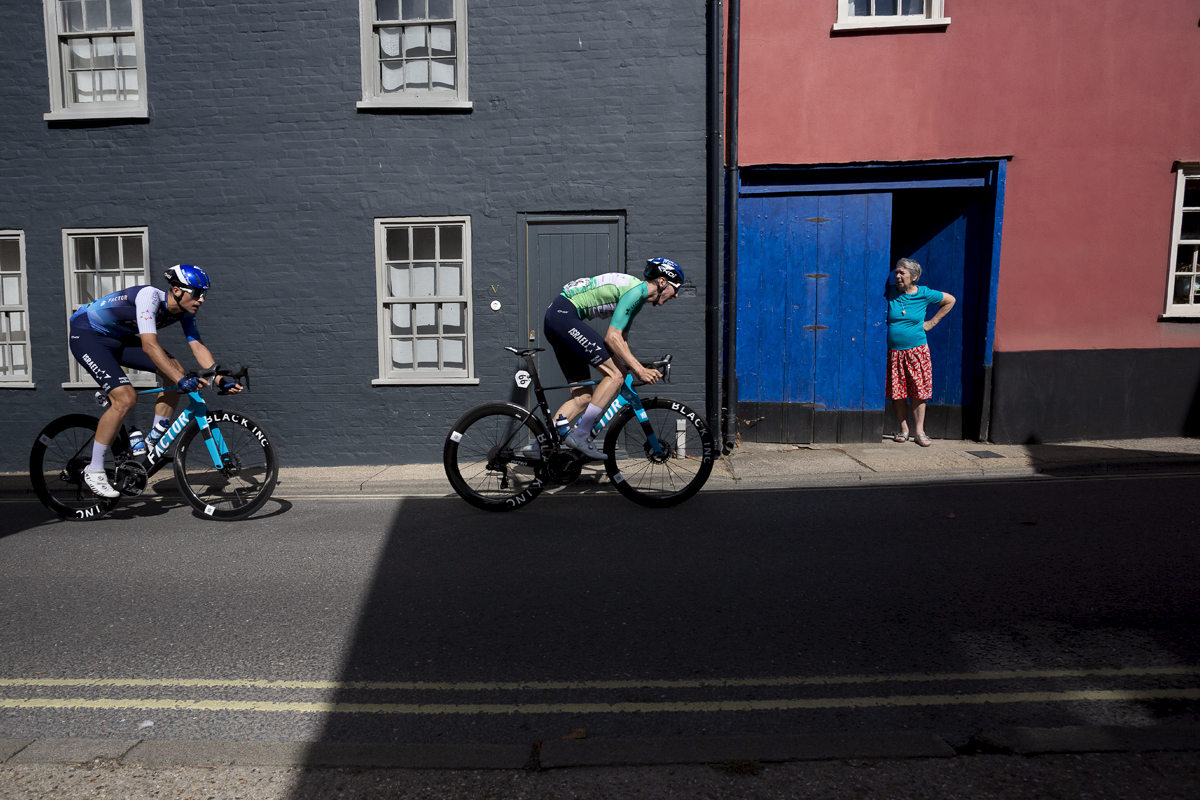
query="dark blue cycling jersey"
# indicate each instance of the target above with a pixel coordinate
(130, 312)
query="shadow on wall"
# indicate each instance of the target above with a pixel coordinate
(511, 629)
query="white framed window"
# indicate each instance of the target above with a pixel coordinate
(98, 262)
(423, 271)
(1183, 281)
(96, 58)
(863, 14)
(16, 372)
(414, 54)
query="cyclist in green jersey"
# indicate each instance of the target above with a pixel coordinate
(578, 346)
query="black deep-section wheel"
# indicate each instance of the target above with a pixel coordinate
(59, 456)
(245, 480)
(666, 479)
(493, 456)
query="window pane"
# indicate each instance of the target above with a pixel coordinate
(95, 15)
(131, 279)
(859, 8)
(885, 8)
(397, 244)
(423, 244)
(16, 326)
(441, 9)
(398, 281)
(129, 84)
(423, 282)
(122, 14)
(1185, 259)
(443, 75)
(454, 353)
(451, 242)
(126, 52)
(85, 257)
(913, 7)
(108, 85)
(105, 53)
(1191, 225)
(392, 76)
(10, 290)
(110, 257)
(389, 42)
(401, 319)
(81, 87)
(133, 252)
(1183, 290)
(427, 353)
(85, 287)
(18, 360)
(416, 75)
(387, 10)
(10, 255)
(441, 40)
(402, 354)
(416, 43)
(72, 15)
(79, 54)
(108, 284)
(1191, 193)
(414, 9)
(449, 280)
(454, 317)
(425, 318)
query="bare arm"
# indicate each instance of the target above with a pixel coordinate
(618, 345)
(944, 307)
(166, 366)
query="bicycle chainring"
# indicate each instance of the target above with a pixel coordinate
(130, 478)
(563, 468)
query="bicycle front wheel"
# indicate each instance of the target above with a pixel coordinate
(248, 471)
(493, 456)
(672, 473)
(60, 454)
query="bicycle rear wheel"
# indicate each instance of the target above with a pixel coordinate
(59, 456)
(654, 480)
(245, 480)
(493, 456)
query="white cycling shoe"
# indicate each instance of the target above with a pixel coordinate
(98, 483)
(587, 446)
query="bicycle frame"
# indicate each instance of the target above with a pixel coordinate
(196, 409)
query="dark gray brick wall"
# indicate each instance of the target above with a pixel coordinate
(256, 165)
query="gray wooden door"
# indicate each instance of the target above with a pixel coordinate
(553, 250)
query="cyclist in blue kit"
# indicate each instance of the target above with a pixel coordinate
(620, 297)
(121, 329)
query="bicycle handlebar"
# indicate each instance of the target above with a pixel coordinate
(241, 375)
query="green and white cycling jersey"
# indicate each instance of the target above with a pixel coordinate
(613, 294)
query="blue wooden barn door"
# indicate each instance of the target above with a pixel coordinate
(812, 338)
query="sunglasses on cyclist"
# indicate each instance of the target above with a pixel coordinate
(196, 294)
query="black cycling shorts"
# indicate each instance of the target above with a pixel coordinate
(576, 344)
(103, 356)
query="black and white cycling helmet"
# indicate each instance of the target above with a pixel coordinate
(664, 268)
(187, 276)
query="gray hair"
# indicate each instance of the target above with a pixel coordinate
(913, 267)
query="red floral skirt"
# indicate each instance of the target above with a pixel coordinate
(910, 374)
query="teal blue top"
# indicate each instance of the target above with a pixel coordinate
(906, 316)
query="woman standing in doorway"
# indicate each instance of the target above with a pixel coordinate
(910, 372)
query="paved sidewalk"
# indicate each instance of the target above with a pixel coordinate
(760, 466)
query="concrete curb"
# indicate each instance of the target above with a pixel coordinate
(1087, 739)
(161, 753)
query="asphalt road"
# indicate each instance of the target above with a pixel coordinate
(947, 608)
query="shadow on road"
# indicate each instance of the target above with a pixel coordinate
(477, 617)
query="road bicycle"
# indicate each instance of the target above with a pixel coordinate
(230, 477)
(500, 456)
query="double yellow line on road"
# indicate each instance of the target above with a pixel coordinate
(781, 704)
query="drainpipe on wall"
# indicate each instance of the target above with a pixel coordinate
(729, 430)
(712, 278)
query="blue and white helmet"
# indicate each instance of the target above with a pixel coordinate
(187, 276)
(664, 268)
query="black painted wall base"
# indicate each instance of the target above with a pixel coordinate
(802, 423)
(1065, 395)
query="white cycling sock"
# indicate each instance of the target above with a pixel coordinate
(98, 453)
(590, 415)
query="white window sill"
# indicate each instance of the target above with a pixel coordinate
(431, 380)
(417, 102)
(17, 385)
(893, 23)
(96, 114)
(1180, 316)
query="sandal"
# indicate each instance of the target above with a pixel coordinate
(900, 437)
(924, 440)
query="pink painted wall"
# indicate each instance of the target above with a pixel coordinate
(1093, 99)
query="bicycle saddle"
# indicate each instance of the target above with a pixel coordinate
(527, 351)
